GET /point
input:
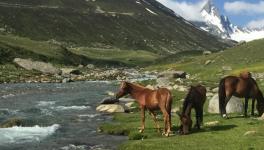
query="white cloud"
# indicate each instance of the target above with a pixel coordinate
(256, 24)
(189, 11)
(238, 7)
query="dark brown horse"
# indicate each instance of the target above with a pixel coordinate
(243, 86)
(194, 99)
(151, 100)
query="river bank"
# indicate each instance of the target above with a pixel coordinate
(14, 74)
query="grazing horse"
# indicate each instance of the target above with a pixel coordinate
(151, 100)
(243, 86)
(194, 99)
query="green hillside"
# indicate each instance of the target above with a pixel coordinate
(248, 56)
(111, 24)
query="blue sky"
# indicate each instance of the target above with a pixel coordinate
(243, 13)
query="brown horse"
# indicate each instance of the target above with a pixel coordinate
(160, 99)
(243, 86)
(194, 99)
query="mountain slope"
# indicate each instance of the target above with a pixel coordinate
(113, 24)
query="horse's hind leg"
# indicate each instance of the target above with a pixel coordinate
(142, 119)
(224, 106)
(246, 107)
(153, 114)
(253, 106)
(166, 121)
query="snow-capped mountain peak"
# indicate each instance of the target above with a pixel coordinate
(220, 25)
(217, 23)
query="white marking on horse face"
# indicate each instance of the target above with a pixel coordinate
(224, 115)
(123, 84)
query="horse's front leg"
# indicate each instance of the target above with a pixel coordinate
(142, 119)
(153, 114)
(253, 106)
(246, 107)
(199, 117)
(167, 128)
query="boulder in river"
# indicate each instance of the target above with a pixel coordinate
(109, 100)
(110, 108)
(11, 122)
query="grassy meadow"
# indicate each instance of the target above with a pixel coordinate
(227, 133)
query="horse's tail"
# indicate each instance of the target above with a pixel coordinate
(222, 95)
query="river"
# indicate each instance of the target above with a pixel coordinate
(56, 116)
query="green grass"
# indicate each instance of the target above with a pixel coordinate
(12, 46)
(137, 57)
(227, 134)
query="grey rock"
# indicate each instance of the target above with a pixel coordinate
(68, 71)
(173, 74)
(90, 66)
(109, 100)
(110, 108)
(28, 64)
(207, 52)
(235, 105)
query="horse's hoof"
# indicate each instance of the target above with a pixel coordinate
(141, 131)
(225, 116)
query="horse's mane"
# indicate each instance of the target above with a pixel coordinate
(187, 99)
(135, 84)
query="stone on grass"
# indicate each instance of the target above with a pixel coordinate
(235, 105)
(250, 133)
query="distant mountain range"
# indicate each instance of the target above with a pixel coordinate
(220, 25)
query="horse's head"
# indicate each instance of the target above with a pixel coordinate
(260, 103)
(186, 123)
(123, 90)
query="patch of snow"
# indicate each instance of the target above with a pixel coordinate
(138, 2)
(205, 29)
(152, 12)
